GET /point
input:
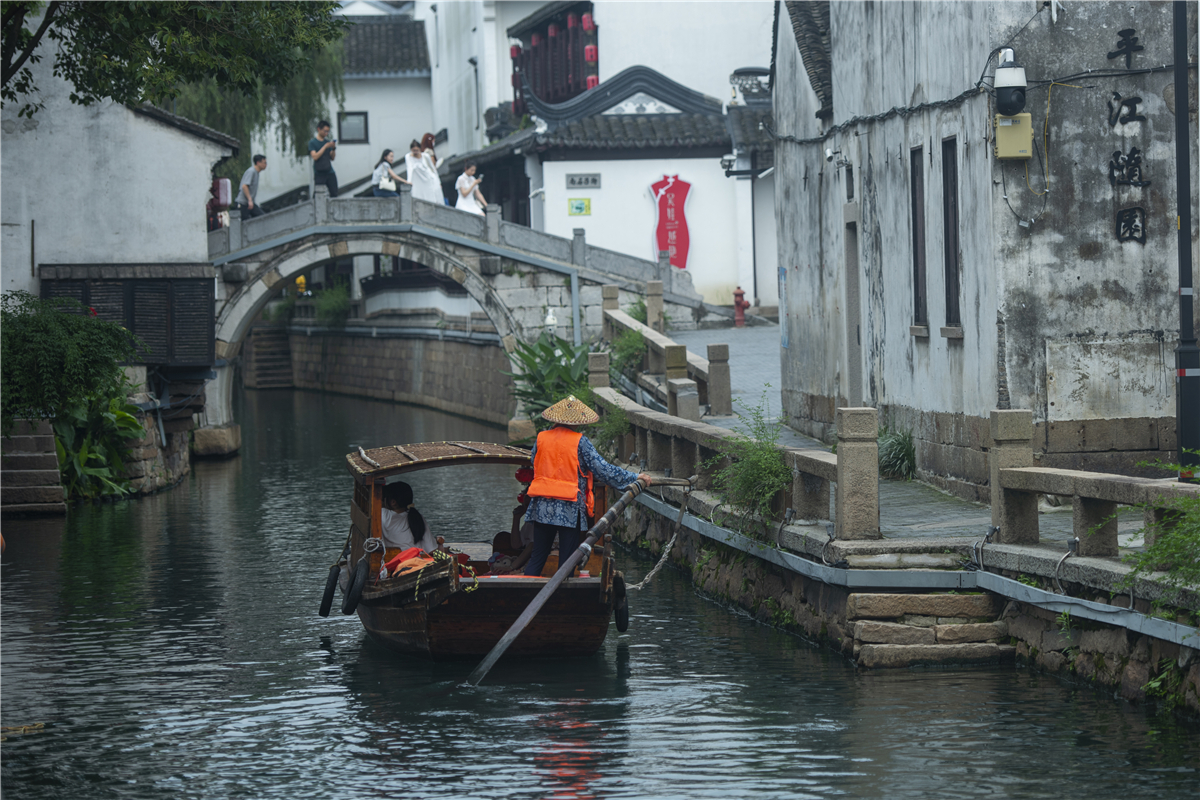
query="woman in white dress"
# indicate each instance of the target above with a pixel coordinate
(466, 188)
(403, 526)
(422, 173)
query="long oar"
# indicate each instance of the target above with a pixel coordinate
(564, 569)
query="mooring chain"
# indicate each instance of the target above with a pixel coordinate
(666, 550)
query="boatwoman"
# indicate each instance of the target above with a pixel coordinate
(564, 464)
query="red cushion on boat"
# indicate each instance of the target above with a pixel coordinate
(411, 552)
(463, 558)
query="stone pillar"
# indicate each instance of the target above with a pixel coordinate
(598, 370)
(579, 247)
(610, 295)
(857, 474)
(235, 230)
(676, 361)
(641, 446)
(658, 447)
(1090, 513)
(664, 267)
(406, 203)
(720, 393)
(321, 204)
(217, 442)
(654, 305)
(1014, 513)
(685, 458)
(810, 496)
(682, 399)
(492, 218)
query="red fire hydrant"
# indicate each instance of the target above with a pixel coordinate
(740, 305)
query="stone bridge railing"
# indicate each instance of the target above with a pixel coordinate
(1016, 484)
(664, 442)
(685, 373)
(323, 214)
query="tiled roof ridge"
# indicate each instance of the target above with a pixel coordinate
(810, 25)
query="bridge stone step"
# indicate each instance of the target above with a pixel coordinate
(33, 509)
(30, 477)
(16, 495)
(27, 461)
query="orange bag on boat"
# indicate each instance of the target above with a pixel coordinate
(405, 555)
(411, 565)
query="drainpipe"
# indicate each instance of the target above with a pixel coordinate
(1187, 354)
(474, 62)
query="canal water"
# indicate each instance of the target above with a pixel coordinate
(171, 647)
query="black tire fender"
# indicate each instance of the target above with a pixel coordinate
(358, 580)
(330, 587)
(620, 603)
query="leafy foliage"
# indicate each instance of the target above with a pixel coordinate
(54, 356)
(638, 310)
(751, 471)
(628, 352)
(614, 423)
(137, 52)
(91, 438)
(551, 369)
(897, 454)
(333, 305)
(290, 108)
(281, 311)
(1173, 543)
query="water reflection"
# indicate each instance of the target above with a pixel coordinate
(172, 647)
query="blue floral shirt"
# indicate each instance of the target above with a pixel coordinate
(567, 514)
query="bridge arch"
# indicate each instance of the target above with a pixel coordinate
(275, 268)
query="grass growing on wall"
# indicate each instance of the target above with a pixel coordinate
(333, 306)
(750, 470)
(628, 354)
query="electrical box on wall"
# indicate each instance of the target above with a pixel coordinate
(1014, 136)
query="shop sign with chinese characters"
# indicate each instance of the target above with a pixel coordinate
(671, 228)
(587, 180)
(1125, 169)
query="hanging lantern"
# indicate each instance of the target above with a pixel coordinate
(553, 29)
(572, 20)
(593, 81)
(588, 24)
(535, 40)
(590, 54)
(515, 51)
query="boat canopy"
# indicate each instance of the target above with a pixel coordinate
(382, 462)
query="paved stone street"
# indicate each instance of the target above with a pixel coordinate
(907, 509)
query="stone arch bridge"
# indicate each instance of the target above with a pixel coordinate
(514, 273)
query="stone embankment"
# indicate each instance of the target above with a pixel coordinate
(907, 602)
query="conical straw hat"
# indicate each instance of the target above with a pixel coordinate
(570, 411)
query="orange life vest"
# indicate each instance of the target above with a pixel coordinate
(556, 467)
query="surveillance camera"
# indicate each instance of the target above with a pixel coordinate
(828, 154)
(1010, 84)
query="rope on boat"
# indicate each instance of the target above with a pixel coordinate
(342, 553)
(666, 550)
(363, 455)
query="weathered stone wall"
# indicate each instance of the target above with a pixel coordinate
(151, 466)
(453, 376)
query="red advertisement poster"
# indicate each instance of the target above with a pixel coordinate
(671, 229)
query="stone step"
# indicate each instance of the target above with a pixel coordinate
(28, 444)
(26, 461)
(27, 427)
(885, 656)
(894, 606)
(30, 477)
(33, 509)
(10, 495)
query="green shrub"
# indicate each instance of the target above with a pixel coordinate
(54, 355)
(333, 306)
(282, 311)
(628, 353)
(755, 472)
(897, 454)
(614, 423)
(551, 369)
(638, 310)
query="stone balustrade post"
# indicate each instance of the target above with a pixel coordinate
(406, 203)
(675, 357)
(598, 370)
(610, 295)
(658, 451)
(579, 247)
(321, 204)
(641, 446)
(235, 230)
(664, 268)
(683, 400)
(1014, 513)
(654, 305)
(810, 495)
(492, 218)
(685, 457)
(857, 474)
(720, 392)
(1098, 516)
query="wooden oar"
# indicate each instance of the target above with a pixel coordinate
(565, 569)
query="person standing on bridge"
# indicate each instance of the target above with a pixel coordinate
(323, 150)
(384, 181)
(564, 464)
(422, 167)
(466, 188)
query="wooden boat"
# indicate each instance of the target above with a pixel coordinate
(456, 607)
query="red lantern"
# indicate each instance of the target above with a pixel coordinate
(588, 25)
(525, 475)
(590, 54)
(535, 40)
(572, 20)
(515, 51)
(553, 30)
(593, 81)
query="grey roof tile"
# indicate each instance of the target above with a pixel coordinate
(385, 45)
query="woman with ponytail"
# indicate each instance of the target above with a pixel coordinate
(403, 525)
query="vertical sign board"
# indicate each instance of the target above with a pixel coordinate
(671, 228)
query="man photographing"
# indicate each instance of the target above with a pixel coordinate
(323, 151)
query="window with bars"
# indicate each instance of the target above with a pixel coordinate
(953, 254)
(558, 57)
(917, 201)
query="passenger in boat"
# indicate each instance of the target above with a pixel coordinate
(520, 538)
(564, 465)
(403, 525)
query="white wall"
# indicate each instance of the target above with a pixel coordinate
(398, 111)
(457, 32)
(419, 299)
(623, 214)
(766, 248)
(104, 185)
(696, 44)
